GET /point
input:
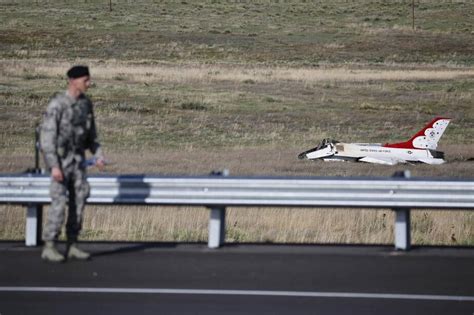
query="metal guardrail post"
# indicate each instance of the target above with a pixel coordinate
(217, 227)
(217, 221)
(402, 229)
(34, 222)
(402, 221)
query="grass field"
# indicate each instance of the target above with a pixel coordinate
(186, 87)
(270, 32)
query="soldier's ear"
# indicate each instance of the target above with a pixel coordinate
(71, 81)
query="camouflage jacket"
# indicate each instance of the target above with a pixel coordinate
(68, 130)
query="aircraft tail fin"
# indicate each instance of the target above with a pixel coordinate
(426, 138)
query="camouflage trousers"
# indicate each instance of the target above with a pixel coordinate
(72, 192)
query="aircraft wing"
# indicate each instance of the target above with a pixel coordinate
(432, 161)
(383, 161)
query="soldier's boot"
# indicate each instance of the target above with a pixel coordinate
(51, 254)
(75, 253)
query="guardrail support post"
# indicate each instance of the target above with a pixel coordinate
(402, 229)
(402, 220)
(217, 220)
(34, 222)
(217, 228)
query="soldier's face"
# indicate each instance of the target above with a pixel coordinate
(81, 84)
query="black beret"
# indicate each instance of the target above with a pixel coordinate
(77, 72)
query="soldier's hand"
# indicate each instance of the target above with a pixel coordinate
(57, 174)
(100, 163)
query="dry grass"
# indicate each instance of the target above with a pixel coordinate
(188, 73)
(267, 225)
(248, 32)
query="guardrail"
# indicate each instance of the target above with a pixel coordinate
(219, 192)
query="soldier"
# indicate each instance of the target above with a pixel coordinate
(68, 130)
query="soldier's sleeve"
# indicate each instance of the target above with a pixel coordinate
(93, 142)
(49, 134)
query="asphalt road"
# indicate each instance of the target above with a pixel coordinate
(243, 279)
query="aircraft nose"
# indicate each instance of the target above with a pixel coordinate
(302, 156)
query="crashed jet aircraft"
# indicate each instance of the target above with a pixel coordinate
(420, 148)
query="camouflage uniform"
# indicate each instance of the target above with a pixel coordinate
(67, 131)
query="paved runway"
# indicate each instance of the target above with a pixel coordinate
(238, 279)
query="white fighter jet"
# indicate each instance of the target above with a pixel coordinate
(421, 148)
